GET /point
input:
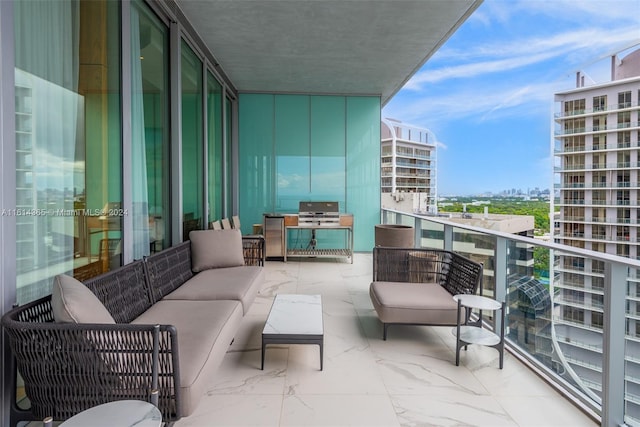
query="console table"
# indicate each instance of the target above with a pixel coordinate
(346, 224)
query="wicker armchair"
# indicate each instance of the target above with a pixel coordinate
(68, 368)
(253, 249)
(414, 286)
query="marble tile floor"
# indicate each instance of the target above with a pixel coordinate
(409, 380)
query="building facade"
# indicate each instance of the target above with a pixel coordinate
(597, 151)
(408, 164)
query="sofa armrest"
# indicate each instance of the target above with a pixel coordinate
(68, 367)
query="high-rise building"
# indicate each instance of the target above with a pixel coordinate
(597, 152)
(408, 163)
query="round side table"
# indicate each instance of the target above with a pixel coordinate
(120, 413)
(473, 332)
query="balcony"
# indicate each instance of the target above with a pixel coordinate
(594, 111)
(410, 379)
(538, 316)
(595, 129)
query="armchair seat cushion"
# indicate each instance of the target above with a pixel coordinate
(413, 303)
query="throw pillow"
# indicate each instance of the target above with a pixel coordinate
(73, 302)
(215, 249)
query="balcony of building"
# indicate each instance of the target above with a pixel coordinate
(595, 111)
(598, 185)
(582, 149)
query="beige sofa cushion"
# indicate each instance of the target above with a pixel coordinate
(205, 331)
(73, 302)
(233, 283)
(215, 249)
(423, 303)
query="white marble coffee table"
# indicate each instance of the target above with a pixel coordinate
(294, 319)
(120, 413)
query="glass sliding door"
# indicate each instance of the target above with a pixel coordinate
(214, 147)
(150, 131)
(228, 182)
(68, 141)
(256, 170)
(192, 142)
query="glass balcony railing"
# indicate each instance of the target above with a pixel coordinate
(597, 110)
(582, 335)
(594, 129)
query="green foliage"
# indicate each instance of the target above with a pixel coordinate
(541, 261)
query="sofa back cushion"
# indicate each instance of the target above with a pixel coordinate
(216, 249)
(168, 270)
(73, 302)
(122, 291)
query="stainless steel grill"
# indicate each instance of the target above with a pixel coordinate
(318, 214)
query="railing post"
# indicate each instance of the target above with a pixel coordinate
(417, 232)
(448, 238)
(501, 271)
(613, 345)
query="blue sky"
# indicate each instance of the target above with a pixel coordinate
(487, 94)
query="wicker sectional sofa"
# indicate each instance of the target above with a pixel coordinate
(157, 327)
(415, 286)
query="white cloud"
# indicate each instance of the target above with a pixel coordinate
(482, 102)
(590, 43)
(579, 11)
(473, 69)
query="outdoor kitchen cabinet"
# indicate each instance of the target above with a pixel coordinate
(274, 236)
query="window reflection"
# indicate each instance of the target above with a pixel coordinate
(150, 132)
(214, 147)
(68, 155)
(192, 150)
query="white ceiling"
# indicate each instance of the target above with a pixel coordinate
(351, 47)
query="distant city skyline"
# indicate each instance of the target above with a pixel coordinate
(487, 94)
(532, 192)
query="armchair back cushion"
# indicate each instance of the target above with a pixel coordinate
(216, 249)
(73, 302)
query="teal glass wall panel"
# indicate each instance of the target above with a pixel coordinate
(256, 172)
(292, 152)
(363, 168)
(328, 154)
(295, 148)
(328, 151)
